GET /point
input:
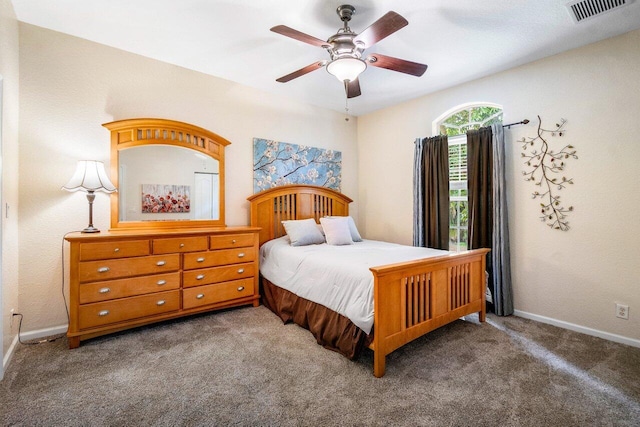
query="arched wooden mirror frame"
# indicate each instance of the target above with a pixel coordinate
(138, 132)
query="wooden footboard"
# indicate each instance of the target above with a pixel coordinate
(413, 298)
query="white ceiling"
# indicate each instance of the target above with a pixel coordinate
(460, 40)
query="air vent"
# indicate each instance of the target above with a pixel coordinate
(582, 10)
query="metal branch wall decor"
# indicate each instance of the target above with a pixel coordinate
(543, 168)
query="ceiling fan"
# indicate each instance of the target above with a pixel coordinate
(346, 48)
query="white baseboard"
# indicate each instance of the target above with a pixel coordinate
(577, 328)
(42, 333)
(7, 357)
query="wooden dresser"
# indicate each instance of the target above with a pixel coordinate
(124, 279)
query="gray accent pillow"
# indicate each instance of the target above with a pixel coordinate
(303, 232)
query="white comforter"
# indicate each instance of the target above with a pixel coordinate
(337, 277)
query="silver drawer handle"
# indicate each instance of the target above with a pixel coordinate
(240, 270)
(201, 259)
(200, 277)
(116, 250)
(241, 255)
(103, 269)
(240, 288)
(233, 241)
(162, 282)
(160, 263)
(161, 302)
(182, 245)
(104, 290)
(103, 313)
(199, 296)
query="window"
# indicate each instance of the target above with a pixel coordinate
(458, 212)
(455, 124)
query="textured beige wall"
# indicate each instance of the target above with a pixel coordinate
(575, 276)
(69, 87)
(10, 82)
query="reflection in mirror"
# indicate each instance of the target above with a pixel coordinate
(165, 182)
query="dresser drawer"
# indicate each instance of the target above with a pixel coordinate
(108, 250)
(215, 258)
(121, 288)
(103, 313)
(231, 241)
(205, 276)
(91, 271)
(219, 292)
(180, 244)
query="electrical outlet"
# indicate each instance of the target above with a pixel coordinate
(622, 311)
(12, 313)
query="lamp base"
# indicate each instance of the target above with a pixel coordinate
(90, 229)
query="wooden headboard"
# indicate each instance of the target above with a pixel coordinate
(270, 207)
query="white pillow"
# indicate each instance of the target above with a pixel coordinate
(303, 232)
(355, 236)
(336, 231)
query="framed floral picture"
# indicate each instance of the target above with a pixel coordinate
(161, 198)
(280, 163)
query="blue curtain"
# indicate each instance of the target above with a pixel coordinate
(501, 259)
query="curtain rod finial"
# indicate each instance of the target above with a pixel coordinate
(524, 122)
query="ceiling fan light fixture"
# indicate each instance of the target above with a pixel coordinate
(346, 69)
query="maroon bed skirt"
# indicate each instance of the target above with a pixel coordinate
(331, 329)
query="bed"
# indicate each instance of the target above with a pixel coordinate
(409, 298)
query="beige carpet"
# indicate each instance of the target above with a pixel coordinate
(244, 367)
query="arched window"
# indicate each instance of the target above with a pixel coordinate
(455, 123)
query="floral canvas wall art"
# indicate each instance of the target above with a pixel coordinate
(160, 198)
(280, 163)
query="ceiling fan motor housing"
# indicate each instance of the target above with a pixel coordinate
(342, 46)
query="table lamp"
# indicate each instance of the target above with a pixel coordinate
(90, 176)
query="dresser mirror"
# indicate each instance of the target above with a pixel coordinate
(168, 174)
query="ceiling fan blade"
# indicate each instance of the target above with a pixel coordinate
(302, 71)
(295, 34)
(396, 64)
(388, 24)
(352, 88)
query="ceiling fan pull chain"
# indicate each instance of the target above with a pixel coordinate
(346, 108)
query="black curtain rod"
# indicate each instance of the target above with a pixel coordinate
(524, 122)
